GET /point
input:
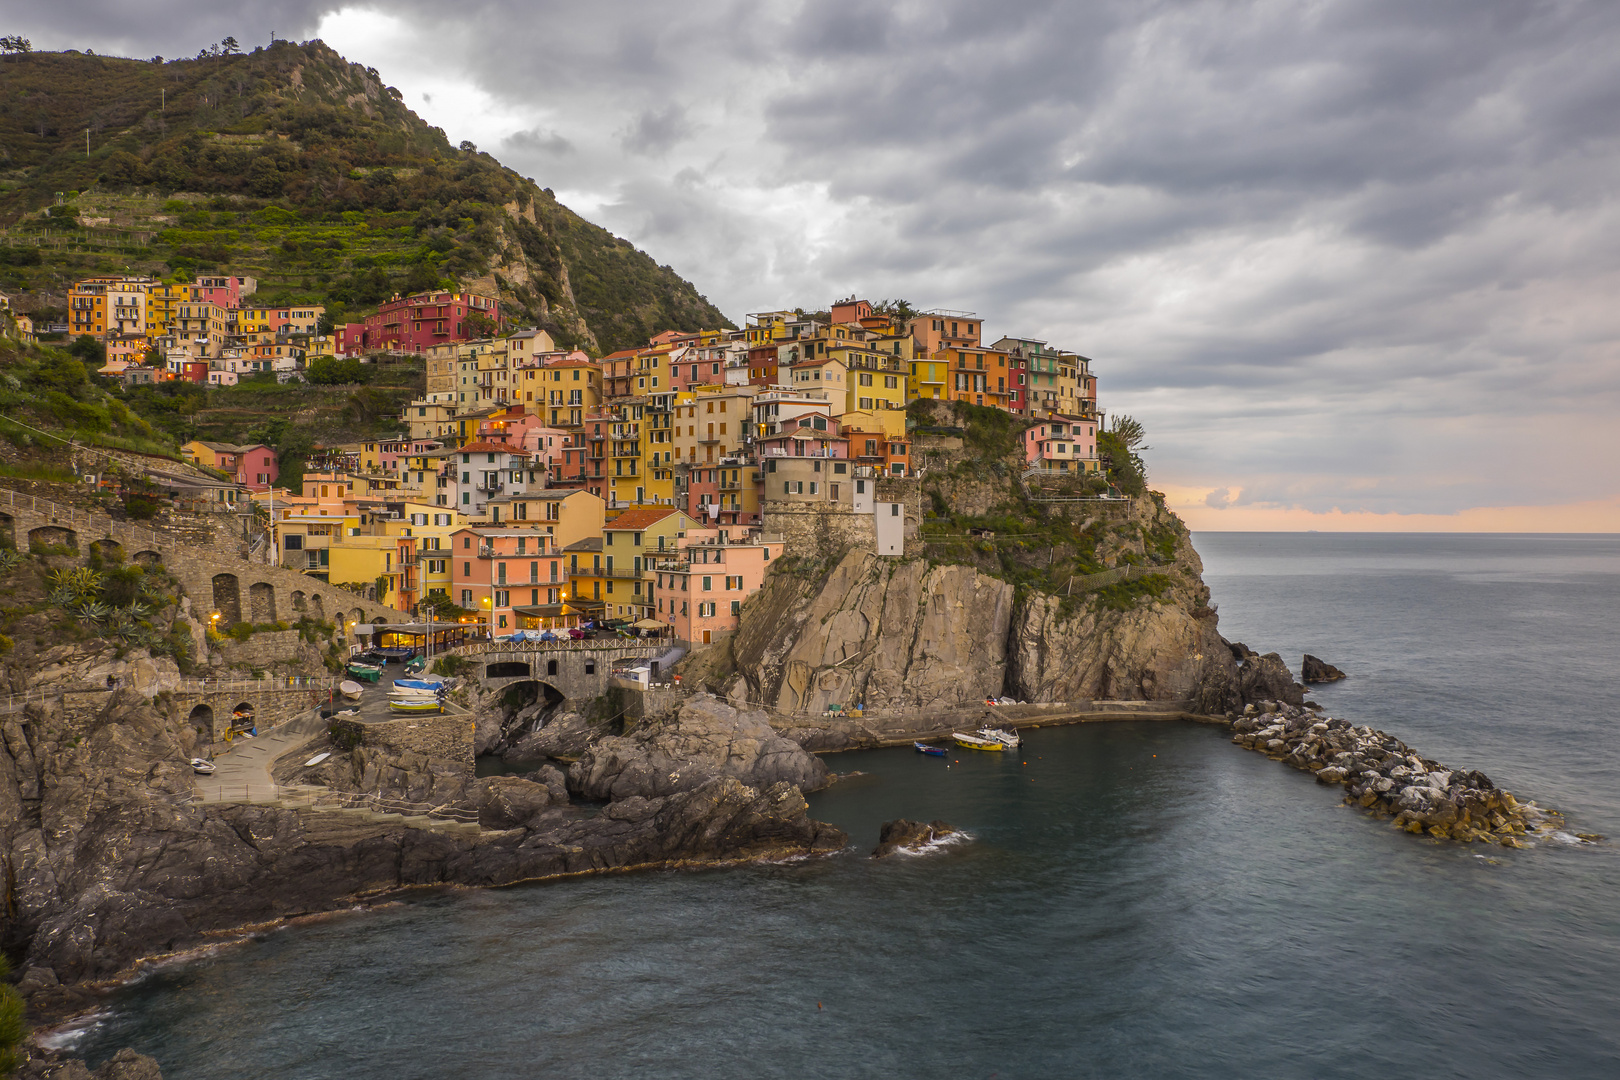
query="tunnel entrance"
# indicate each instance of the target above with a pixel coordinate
(521, 710)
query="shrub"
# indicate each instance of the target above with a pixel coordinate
(14, 1031)
(347, 734)
(452, 665)
(241, 631)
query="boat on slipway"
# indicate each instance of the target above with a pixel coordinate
(417, 705)
(976, 742)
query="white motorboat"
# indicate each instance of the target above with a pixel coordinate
(1004, 736)
(202, 765)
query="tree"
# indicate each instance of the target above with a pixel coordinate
(15, 43)
(1130, 432)
(330, 371)
(229, 46)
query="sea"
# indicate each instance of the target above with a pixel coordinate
(1137, 899)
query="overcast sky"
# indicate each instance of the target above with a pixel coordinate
(1353, 264)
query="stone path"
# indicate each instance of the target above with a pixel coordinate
(243, 773)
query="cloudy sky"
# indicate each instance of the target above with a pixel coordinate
(1355, 265)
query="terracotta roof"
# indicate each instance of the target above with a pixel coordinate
(622, 354)
(638, 518)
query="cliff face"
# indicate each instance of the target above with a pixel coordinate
(889, 635)
(909, 636)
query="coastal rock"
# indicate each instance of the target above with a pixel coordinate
(887, 635)
(115, 862)
(1313, 670)
(124, 1065)
(905, 835)
(706, 739)
(565, 735)
(1383, 775)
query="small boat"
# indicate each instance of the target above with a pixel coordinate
(318, 758)
(975, 742)
(350, 690)
(419, 684)
(1006, 738)
(426, 707)
(364, 672)
(931, 751)
(202, 765)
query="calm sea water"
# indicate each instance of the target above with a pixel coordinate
(1136, 900)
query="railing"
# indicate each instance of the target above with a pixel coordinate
(283, 684)
(55, 511)
(485, 648)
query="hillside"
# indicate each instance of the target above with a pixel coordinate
(294, 166)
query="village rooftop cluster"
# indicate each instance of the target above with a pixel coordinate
(538, 487)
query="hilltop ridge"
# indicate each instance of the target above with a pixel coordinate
(308, 172)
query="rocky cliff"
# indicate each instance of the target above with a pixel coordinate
(913, 635)
(107, 858)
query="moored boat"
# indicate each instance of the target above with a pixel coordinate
(430, 705)
(350, 690)
(931, 751)
(420, 684)
(1005, 736)
(202, 765)
(976, 742)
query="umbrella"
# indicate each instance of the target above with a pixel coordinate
(647, 624)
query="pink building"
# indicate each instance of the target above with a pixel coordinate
(804, 436)
(1061, 443)
(505, 575)
(227, 292)
(413, 323)
(697, 365)
(700, 592)
(256, 467)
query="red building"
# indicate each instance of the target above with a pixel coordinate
(227, 292)
(412, 323)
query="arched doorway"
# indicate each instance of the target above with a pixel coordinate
(262, 602)
(202, 718)
(242, 716)
(149, 559)
(108, 550)
(54, 536)
(227, 599)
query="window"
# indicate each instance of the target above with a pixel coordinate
(894, 509)
(466, 569)
(736, 607)
(466, 598)
(708, 584)
(813, 483)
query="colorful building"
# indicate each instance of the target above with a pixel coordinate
(496, 571)
(416, 323)
(699, 592)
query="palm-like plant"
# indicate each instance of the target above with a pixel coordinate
(9, 560)
(90, 611)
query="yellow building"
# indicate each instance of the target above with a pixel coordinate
(658, 449)
(163, 300)
(630, 542)
(568, 516)
(626, 481)
(928, 378)
(104, 306)
(564, 392)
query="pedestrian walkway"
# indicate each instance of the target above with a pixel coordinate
(243, 773)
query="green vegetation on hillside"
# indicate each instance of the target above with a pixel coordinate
(978, 513)
(291, 165)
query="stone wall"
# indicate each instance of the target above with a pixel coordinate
(269, 650)
(818, 530)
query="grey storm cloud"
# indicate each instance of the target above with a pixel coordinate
(1357, 253)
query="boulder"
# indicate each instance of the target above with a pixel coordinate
(1314, 670)
(905, 835)
(706, 739)
(505, 802)
(565, 736)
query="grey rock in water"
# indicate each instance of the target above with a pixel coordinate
(707, 739)
(1314, 670)
(902, 834)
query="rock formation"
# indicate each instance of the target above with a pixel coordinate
(1385, 776)
(124, 1065)
(1313, 670)
(109, 859)
(904, 835)
(707, 739)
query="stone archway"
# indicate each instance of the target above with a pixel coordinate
(505, 669)
(108, 550)
(358, 615)
(149, 559)
(228, 599)
(202, 718)
(8, 531)
(262, 602)
(298, 601)
(54, 536)
(242, 715)
(317, 606)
